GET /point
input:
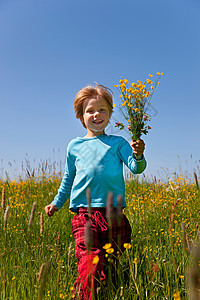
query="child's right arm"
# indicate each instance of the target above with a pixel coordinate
(65, 186)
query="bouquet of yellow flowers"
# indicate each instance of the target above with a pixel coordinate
(136, 100)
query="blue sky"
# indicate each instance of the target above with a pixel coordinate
(50, 49)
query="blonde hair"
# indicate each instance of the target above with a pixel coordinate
(89, 92)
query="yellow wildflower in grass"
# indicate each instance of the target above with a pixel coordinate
(158, 73)
(114, 105)
(126, 81)
(124, 103)
(137, 109)
(95, 260)
(107, 246)
(150, 75)
(127, 246)
(110, 250)
(61, 296)
(177, 296)
(135, 261)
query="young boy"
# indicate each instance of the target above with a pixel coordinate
(95, 161)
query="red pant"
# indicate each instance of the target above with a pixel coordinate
(118, 234)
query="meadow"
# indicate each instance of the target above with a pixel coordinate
(37, 259)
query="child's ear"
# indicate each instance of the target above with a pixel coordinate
(82, 121)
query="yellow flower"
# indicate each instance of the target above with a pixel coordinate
(152, 87)
(95, 260)
(149, 127)
(126, 81)
(114, 105)
(62, 296)
(137, 109)
(13, 278)
(107, 246)
(150, 75)
(127, 246)
(120, 96)
(110, 250)
(121, 81)
(177, 296)
(124, 103)
(135, 260)
(161, 74)
(129, 104)
(158, 82)
(181, 276)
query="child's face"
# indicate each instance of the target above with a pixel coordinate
(95, 116)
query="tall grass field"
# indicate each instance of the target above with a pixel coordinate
(37, 259)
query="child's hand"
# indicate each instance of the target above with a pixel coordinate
(50, 210)
(138, 147)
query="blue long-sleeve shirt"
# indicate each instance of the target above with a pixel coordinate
(97, 163)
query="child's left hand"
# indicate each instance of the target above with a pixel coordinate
(138, 147)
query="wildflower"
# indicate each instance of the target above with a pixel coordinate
(135, 260)
(136, 98)
(127, 246)
(177, 296)
(13, 278)
(107, 246)
(62, 296)
(181, 276)
(114, 105)
(110, 250)
(149, 127)
(95, 260)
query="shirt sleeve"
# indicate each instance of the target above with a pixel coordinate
(64, 190)
(135, 165)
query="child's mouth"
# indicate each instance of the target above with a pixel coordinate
(98, 122)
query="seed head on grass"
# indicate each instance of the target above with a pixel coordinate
(196, 180)
(6, 215)
(3, 201)
(42, 278)
(32, 214)
(41, 223)
(109, 208)
(88, 234)
(193, 274)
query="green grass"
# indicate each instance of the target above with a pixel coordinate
(154, 268)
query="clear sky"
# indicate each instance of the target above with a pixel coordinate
(49, 49)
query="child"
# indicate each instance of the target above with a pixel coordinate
(95, 161)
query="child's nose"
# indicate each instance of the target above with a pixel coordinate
(96, 113)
